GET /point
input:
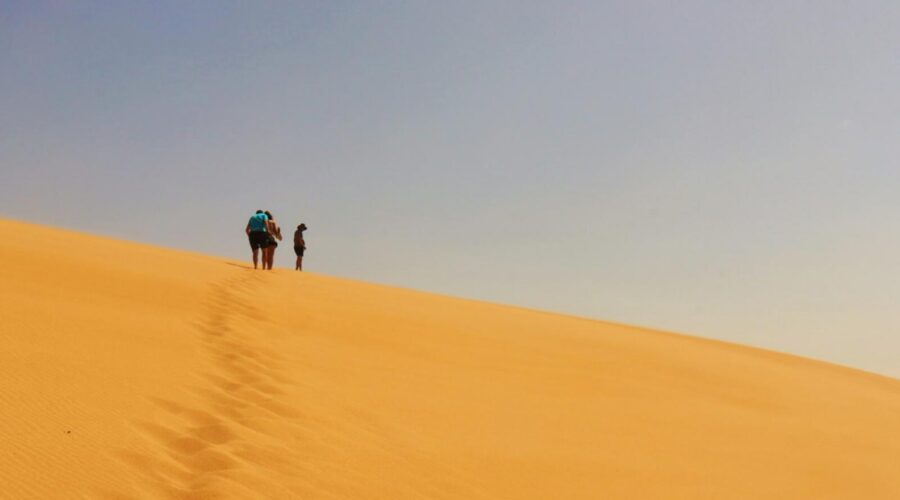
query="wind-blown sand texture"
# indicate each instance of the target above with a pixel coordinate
(129, 371)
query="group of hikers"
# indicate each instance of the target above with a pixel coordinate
(264, 234)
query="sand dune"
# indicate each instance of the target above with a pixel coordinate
(128, 371)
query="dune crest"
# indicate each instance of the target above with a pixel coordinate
(130, 371)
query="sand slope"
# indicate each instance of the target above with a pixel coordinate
(128, 371)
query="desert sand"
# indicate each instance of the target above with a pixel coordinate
(130, 371)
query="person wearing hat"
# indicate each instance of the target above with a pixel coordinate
(299, 245)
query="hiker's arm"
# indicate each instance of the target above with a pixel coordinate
(247, 229)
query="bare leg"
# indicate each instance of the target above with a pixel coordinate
(271, 257)
(256, 257)
(300, 263)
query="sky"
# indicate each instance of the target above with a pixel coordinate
(723, 169)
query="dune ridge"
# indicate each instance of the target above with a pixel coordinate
(131, 371)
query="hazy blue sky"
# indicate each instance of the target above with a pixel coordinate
(727, 169)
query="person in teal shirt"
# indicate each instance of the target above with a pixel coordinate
(258, 234)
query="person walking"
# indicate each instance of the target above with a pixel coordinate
(299, 245)
(258, 236)
(274, 236)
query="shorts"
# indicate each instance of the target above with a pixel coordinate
(258, 239)
(273, 243)
(299, 250)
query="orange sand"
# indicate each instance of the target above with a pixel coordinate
(129, 371)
